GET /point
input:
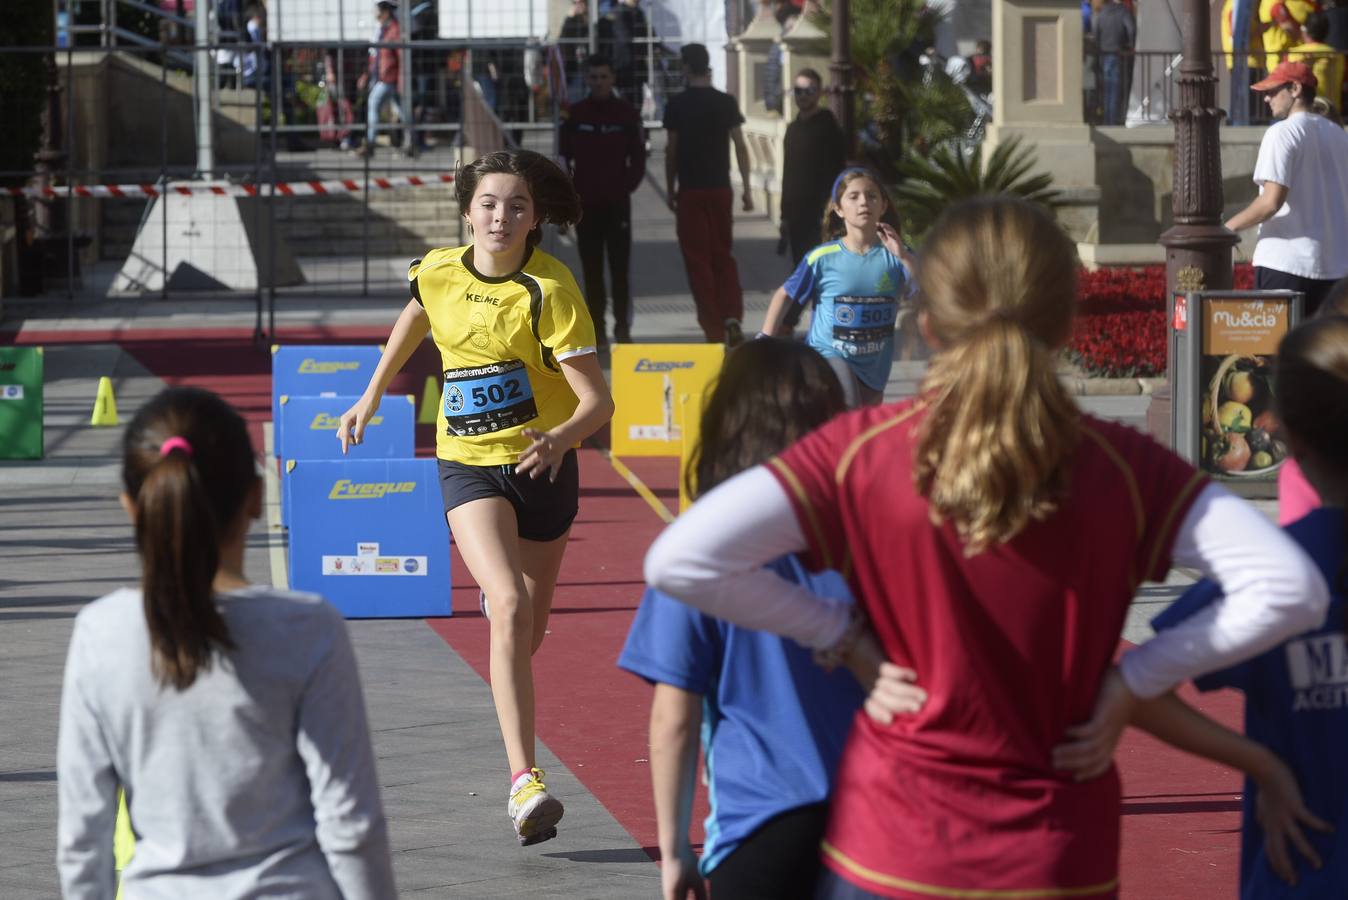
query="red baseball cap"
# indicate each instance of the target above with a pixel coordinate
(1287, 73)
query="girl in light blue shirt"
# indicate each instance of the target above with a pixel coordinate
(856, 281)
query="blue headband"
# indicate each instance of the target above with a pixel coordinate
(854, 170)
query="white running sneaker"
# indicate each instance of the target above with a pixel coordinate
(534, 811)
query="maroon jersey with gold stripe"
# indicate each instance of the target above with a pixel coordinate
(961, 799)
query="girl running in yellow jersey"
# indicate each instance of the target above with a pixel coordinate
(522, 387)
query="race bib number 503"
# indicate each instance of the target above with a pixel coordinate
(489, 398)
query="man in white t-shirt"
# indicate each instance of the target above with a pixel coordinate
(1302, 207)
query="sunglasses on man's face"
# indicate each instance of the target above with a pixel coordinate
(809, 91)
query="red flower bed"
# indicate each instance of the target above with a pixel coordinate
(1121, 327)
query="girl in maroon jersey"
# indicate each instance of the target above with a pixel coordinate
(994, 536)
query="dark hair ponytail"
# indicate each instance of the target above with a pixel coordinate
(771, 392)
(187, 466)
(555, 197)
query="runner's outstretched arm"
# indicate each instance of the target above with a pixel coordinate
(409, 331)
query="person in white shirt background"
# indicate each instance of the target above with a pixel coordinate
(1302, 207)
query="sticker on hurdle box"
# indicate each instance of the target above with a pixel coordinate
(370, 564)
(356, 522)
(21, 406)
(648, 380)
(310, 370)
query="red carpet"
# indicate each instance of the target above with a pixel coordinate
(590, 713)
(1181, 816)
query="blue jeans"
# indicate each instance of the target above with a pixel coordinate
(381, 92)
(1111, 74)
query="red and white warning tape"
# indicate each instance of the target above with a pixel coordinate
(284, 189)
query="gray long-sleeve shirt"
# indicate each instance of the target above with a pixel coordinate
(258, 780)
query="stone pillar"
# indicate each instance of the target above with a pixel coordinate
(1037, 96)
(763, 128)
(805, 46)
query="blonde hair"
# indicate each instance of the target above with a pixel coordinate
(833, 226)
(997, 280)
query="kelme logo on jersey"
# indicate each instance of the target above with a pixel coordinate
(322, 367)
(453, 399)
(325, 422)
(346, 489)
(650, 365)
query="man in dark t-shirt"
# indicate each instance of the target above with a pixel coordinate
(604, 149)
(813, 154)
(701, 123)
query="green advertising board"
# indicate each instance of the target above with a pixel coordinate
(20, 402)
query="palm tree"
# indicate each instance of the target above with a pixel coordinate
(952, 173)
(902, 103)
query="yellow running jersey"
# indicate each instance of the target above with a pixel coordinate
(501, 341)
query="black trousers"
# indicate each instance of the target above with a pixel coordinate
(803, 234)
(779, 861)
(1314, 289)
(607, 229)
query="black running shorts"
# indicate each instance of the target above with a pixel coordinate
(544, 510)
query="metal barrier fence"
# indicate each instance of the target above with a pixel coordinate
(300, 188)
(1149, 86)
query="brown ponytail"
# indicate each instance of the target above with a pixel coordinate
(997, 280)
(186, 494)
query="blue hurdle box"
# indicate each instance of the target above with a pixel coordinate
(370, 536)
(309, 431)
(303, 370)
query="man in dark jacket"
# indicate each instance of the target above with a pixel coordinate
(604, 149)
(813, 154)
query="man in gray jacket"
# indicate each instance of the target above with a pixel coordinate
(1115, 35)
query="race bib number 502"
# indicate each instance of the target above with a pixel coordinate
(489, 398)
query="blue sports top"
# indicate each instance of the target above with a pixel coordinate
(773, 722)
(856, 305)
(1296, 704)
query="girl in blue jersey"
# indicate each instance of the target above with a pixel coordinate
(773, 722)
(855, 281)
(1296, 694)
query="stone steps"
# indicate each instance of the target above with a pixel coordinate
(400, 222)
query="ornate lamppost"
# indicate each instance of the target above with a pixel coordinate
(1198, 247)
(842, 93)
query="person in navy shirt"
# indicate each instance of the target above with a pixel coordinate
(773, 722)
(1296, 694)
(856, 282)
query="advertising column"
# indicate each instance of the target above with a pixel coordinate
(1239, 436)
